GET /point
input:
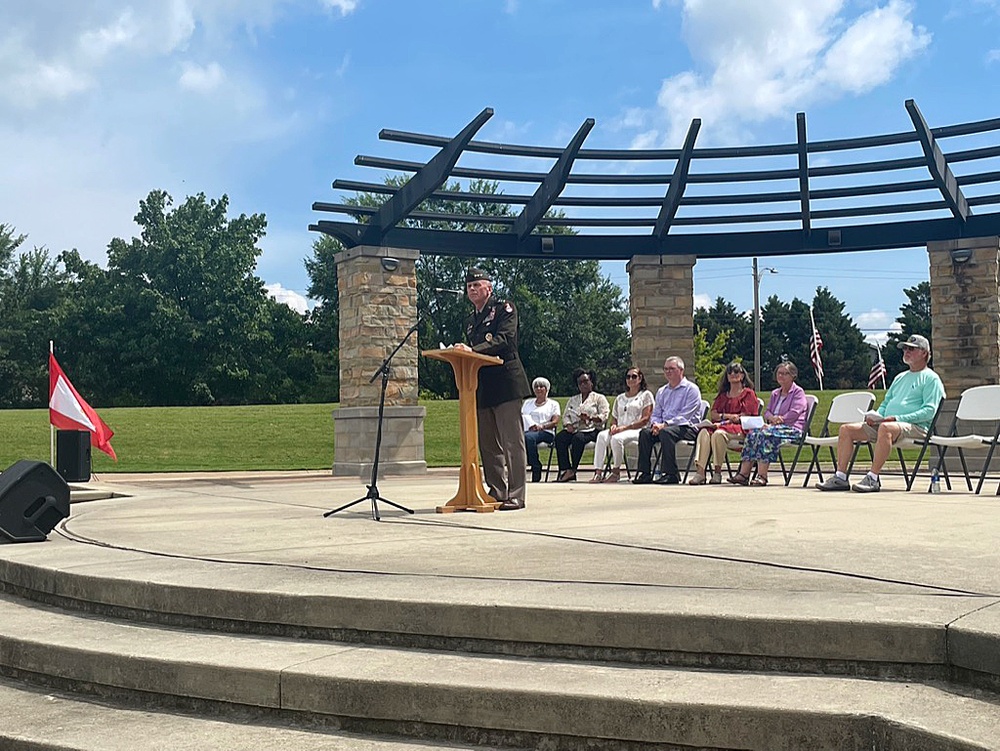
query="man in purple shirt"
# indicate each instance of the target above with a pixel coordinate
(676, 410)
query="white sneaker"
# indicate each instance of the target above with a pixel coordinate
(868, 484)
(698, 479)
(716, 478)
(833, 483)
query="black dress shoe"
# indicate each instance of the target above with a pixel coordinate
(510, 506)
(536, 475)
(669, 480)
(642, 480)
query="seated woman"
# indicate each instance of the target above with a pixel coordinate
(784, 418)
(540, 417)
(585, 415)
(736, 398)
(629, 415)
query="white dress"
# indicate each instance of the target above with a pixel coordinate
(627, 410)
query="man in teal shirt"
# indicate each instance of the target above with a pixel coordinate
(906, 411)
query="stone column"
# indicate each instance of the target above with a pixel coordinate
(377, 289)
(965, 311)
(661, 303)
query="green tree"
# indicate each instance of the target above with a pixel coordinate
(179, 317)
(709, 359)
(846, 362)
(723, 316)
(31, 286)
(324, 319)
(915, 318)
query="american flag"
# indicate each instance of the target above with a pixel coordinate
(878, 372)
(815, 345)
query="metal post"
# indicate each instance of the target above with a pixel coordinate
(756, 319)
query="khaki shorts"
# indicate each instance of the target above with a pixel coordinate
(906, 430)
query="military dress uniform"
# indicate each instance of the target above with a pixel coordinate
(501, 390)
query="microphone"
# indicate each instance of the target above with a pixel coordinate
(446, 291)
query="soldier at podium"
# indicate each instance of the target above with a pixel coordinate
(492, 330)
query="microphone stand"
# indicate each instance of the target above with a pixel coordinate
(373, 495)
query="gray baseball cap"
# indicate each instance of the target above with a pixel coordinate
(916, 342)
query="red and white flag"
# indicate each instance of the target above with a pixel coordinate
(878, 372)
(815, 345)
(68, 410)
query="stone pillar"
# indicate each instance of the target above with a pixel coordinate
(661, 303)
(377, 289)
(965, 311)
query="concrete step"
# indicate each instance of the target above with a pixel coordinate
(485, 699)
(903, 636)
(37, 720)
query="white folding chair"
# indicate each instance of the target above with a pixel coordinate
(847, 407)
(979, 404)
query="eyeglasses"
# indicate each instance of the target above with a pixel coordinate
(668, 368)
(632, 376)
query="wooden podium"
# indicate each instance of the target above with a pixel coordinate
(471, 494)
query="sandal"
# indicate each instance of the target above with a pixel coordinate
(614, 475)
(758, 481)
(739, 479)
(598, 476)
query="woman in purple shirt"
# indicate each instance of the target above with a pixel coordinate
(784, 420)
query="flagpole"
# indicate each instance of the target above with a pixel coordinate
(883, 367)
(52, 428)
(812, 345)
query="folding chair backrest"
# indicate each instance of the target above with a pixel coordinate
(849, 407)
(812, 402)
(980, 403)
(705, 407)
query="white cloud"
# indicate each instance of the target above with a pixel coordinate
(297, 302)
(202, 79)
(876, 325)
(762, 60)
(702, 301)
(344, 6)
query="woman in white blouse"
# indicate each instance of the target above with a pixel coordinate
(540, 417)
(585, 416)
(631, 414)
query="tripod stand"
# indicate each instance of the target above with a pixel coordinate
(373, 495)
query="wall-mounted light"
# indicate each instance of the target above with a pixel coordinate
(389, 264)
(833, 238)
(548, 244)
(960, 255)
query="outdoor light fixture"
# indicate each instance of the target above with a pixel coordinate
(548, 244)
(960, 255)
(390, 264)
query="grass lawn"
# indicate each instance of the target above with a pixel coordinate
(276, 437)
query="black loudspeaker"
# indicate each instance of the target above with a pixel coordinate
(33, 500)
(73, 455)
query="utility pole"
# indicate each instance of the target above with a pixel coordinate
(756, 319)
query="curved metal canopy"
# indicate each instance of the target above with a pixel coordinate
(837, 196)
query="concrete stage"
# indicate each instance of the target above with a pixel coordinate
(662, 617)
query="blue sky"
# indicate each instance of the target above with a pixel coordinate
(268, 101)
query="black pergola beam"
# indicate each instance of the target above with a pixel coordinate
(428, 179)
(800, 129)
(790, 216)
(701, 244)
(938, 166)
(552, 185)
(678, 183)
